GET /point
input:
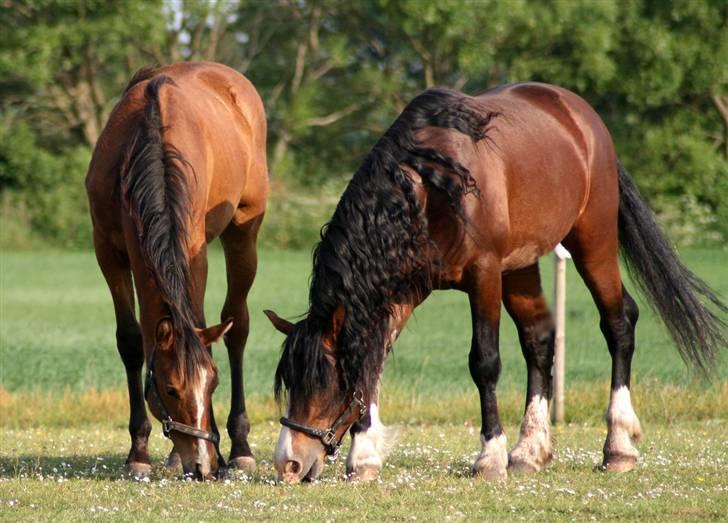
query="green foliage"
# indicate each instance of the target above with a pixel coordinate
(293, 220)
(333, 75)
(41, 193)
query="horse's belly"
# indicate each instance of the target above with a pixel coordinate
(522, 256)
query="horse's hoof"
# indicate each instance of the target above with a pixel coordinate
(490, 474)
(364, 473)
(485, 468)
(174, 462)
(521, 462)
(242, 463)
(619, 463)
(138, 470)
(523, 467)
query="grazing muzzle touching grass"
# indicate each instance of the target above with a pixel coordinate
(182, 401)
(319, 410)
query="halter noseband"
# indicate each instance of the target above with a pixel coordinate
(168, 424)
(328, 436)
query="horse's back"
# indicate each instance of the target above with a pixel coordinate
(548, 151)
(213, 116)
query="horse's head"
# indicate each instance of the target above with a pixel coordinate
(181, 378)
(320, 407)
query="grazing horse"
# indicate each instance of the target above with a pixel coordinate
(181, 161)
(466, 193)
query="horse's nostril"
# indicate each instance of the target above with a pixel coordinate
(292, 467)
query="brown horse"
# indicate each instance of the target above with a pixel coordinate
(466, 193)
(181, 161)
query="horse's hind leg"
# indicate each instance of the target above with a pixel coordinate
(596, 260)
(117, 272)
(524, 301)
(241, 261)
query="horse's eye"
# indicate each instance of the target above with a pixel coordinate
(173, 392)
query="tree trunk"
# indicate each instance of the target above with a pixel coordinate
(721, 102)
(280, 149)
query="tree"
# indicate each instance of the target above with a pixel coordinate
(64, 62)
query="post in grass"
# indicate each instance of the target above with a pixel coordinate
(557, 407)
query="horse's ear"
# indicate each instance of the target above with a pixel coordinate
(212, 334)
(279, 323)
(337, 322)
(164, 334)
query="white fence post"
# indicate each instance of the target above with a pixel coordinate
(557, 408)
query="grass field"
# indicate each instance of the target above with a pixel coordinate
(63, 412)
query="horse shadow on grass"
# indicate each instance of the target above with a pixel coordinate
(103, 467)
(112, 467)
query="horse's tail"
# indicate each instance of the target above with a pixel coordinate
(672, 289)
(155, 189)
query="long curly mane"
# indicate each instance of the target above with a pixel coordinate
(376, 250)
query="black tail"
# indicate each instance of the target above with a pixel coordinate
(672, 289)
(155, 189)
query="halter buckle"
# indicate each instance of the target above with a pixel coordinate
(167, 424)
(329, 438)
(359, 400)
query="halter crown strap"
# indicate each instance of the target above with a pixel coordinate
(328, 436)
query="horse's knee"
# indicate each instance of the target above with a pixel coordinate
(238, 333)
(537, 342)
(484, 365)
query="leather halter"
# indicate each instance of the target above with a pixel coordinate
(328, 436)
(168, 424)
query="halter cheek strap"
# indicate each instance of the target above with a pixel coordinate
(168, 424)
(327, 436)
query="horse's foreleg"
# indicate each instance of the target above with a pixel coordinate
(524, 301)
(117, 272)
(485, 365)
(370, 439)
(241, 262)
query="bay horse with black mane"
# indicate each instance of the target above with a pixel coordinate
(181, 161)
(466, 193)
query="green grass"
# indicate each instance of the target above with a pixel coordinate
(57, 328)
(63, 413)
(74, 474)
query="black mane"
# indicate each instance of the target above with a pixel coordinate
(155, 190)
(376, 250)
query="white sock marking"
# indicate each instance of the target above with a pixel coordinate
(623, 426)
(493, 458)
(367, 447)
(202, 457)
(534, 442)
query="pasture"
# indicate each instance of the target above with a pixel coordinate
(64, 411)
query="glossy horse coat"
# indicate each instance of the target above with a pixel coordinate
(466, 193)
(181, 161)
